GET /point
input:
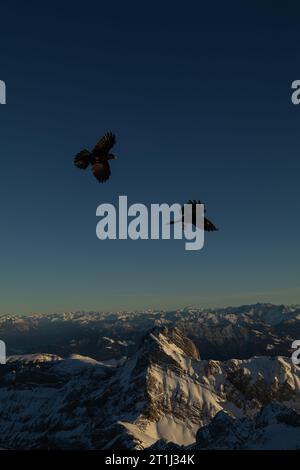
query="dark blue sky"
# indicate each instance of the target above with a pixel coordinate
(199, 98)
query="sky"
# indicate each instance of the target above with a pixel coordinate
(199, 97)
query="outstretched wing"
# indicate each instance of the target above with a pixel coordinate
(105, 144)
(209, 226)
(101, 171)
(194, 203)
(82, 159)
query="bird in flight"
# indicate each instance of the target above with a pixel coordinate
(98, 157)
(208, 225)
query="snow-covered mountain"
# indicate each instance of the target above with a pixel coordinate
(240, 332)
(164, 391)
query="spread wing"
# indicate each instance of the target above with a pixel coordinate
(82, 159)
(194, 203)
(101, 171)
(209, 226)
(105, 144)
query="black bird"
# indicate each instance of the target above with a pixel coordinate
(208, 225)
(98, 158)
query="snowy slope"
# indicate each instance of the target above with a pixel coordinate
(33, 358)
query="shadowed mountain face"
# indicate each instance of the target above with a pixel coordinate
(240, 332)
(274, 427)
(164, 391)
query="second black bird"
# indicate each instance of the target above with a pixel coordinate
(208, 225)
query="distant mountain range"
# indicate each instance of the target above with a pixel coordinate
(165, 394)
(239, 332)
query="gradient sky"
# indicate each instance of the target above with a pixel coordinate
(199, 98)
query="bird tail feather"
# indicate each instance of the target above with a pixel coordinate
(82, 159)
